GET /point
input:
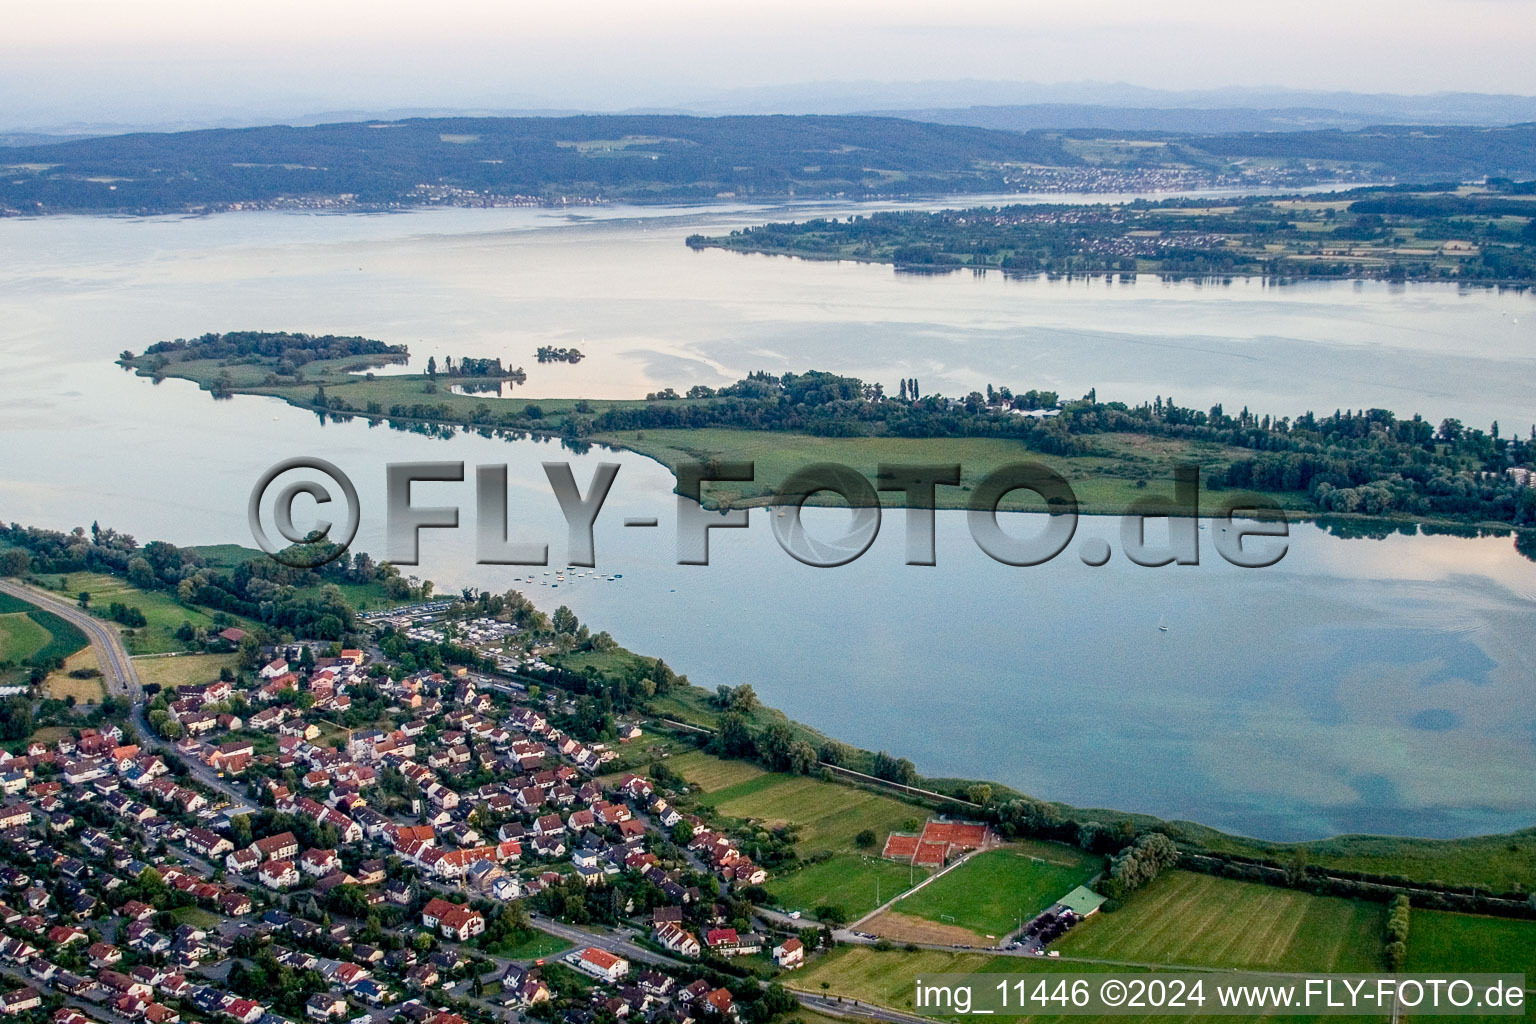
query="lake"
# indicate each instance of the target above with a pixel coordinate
(1360, 685)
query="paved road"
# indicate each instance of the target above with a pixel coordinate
(122, 678)
(116, 667)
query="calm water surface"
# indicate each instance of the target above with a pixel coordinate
(1361, 685)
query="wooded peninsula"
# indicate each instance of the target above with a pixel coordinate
(1484, 234)
(1366, 466)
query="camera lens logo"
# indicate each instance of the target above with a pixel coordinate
(312, 549)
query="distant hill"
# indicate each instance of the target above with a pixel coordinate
(1463, 108)
(1194, 120)
(500, 160)
(639, 157)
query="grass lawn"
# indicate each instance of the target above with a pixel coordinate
(829, 815)
(535, 945)
(161, 610)
(886, 979)
(197, 917)
(1439, 941)
(1187, 918)
(183, 669)
(20, 637)
(261, 742)
(857, 883)
(990, 893)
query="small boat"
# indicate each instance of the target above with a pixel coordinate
(1162, 624)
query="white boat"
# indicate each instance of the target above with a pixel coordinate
(1162, 624)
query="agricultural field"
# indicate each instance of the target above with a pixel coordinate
(20, 637)
(183, 669)
(829, 815)
(886, 979)
(1196, 920)
(711, 774)
(992, 893)
(164, 614)
(856, 883)
(28, 631)
(1439, 941)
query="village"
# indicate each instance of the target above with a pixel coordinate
(267, 865)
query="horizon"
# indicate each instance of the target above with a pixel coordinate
(171, 62)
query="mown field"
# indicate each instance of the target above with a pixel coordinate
(163, 613)
(62, 685)
(855, 883)
(1439, 941)
(30, 632)
(887, 979)
(20, 637)
(712, 773)
(829, 815)
(183, 669)
(993, 892)
(1190, 919)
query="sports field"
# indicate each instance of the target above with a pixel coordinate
(993, 892)
(1191, 919)
(858, 883)
(1438, 941)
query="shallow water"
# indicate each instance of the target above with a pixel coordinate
(1361, 685)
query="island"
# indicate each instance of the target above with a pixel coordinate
(1481, 235)
(1362, 469)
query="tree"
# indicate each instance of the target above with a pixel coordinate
(865, 839)
(980, 793)
(744, 699)
(564, 621)
(1296, 867)
(802, 758)
(682, 833)
(894, 769)
(1142, 861)
(140, 574)
(84, 600)
(831, 914)
(16, 717)
(734, 738)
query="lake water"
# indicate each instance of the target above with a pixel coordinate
(1360, 685)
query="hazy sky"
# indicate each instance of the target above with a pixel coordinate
(64, 60)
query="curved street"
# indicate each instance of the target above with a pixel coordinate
(116, 667)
